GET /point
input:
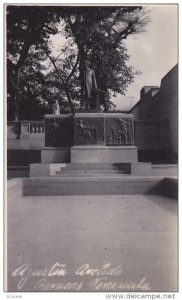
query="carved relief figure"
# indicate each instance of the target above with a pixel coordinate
(87, 133)
(119, 134)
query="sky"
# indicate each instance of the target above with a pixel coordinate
(153, 52)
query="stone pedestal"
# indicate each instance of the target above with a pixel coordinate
(89, 137)
(59, 130)
(90, 154)
(55, 155)
(103, 154)
(103, 129)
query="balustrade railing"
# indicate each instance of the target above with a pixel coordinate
(32, 127)
(37, 128)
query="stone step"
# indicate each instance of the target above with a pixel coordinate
(91, 171)
(89, 185)
(17, 171)
(164, 170)
(14, 187)
(98, 175)
(95, 166)
(165, 166)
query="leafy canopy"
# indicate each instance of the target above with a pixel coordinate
(95, 33)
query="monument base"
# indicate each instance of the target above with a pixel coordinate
(90, 154)
(55, 155)
(103, 154)
(101, 170)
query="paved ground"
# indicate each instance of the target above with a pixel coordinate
(92, 243)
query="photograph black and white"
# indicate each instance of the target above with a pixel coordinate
(91, 110)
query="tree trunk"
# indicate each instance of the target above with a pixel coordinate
(17, 94)
(81, 70)
(69, 100)
(20, 63)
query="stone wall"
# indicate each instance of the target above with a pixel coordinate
(25, 139)
(25, 135)
(153, 135)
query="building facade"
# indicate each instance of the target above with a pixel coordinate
(156, 116)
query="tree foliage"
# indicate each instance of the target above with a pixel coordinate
(98, 33)
(95, 33)
(26, 26)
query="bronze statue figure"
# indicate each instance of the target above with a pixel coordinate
(90, 87)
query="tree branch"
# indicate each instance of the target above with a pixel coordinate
(73, 70)
(63, 50)
(23, 54)
(57, 71)
(65, 86)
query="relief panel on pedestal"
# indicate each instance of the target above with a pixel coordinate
(118, 131)
(88, 131)
(59, 130)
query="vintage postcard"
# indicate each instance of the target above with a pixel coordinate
(91, 109)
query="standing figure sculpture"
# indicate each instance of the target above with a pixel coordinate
(90, 87)
(56, 108)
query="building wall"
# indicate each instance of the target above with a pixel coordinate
(161, 105)
(168, 106)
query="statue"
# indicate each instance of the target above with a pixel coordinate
(90, 87)
(56, 108)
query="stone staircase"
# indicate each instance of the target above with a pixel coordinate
(93, 170)
(86, 185)
(94, 179)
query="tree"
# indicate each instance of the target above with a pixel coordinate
(47, 77)
(95, 33)
(98, 33)
(65, 71)
(26, 26)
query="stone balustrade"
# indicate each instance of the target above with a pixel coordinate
(33, 127)
(15, 129)
(37, 128)
(26, 135)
